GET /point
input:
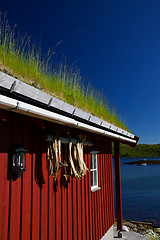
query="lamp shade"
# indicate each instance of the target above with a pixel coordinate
(19, 160)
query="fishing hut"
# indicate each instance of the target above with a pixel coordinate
(56, 173)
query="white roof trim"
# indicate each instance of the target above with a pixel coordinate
(8, 103)
(10, 85)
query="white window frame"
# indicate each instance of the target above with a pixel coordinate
(94, 170)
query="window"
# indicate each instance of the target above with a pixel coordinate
(94, 171)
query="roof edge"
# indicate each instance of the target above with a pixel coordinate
(15, 88)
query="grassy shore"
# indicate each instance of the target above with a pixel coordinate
(141, 150)
(144, 162)
(20, 58)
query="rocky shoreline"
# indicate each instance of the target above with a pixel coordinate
(142, 228)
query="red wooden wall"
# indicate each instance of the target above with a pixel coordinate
(34, 207)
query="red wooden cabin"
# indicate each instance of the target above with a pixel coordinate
(34, 206)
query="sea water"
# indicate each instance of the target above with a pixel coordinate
(140, 191)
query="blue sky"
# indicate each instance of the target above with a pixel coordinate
(116, 45)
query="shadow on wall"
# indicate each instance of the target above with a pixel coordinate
(36, 170)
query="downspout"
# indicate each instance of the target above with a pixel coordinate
(118, 189)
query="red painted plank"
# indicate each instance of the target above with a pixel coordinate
(90, 199)
(79, 194)
(64, 184)
(113, 213)
(74, 221)
(105, 191)
(26, 201)
(44, 197)
(64, 213)
(15, 213)
(99, 198)
(4, 183)
(4, 196)
(26, 193)
(36, 181)
(35, 206)
(51, 209)
(107, 186)
(102, 193)
(97, 214)
(86, 198)
(98, 207)
(70, 224)
(109, 190)
(110, 184)
(93, 215)
(83, 210)
(58, 208)
(112, 187)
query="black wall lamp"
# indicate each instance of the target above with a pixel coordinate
(18, 161)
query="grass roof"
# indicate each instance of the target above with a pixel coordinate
(20, 58)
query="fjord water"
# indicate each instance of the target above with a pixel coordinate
(140, 191)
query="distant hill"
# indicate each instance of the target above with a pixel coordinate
(142, 150)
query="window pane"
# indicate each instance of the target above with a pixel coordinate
(95, 161)
(92, 179)
(95, 178)
(91, 161)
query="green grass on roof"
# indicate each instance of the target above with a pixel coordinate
(22, 59)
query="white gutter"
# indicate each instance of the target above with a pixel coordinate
(33, 111)
(103, 132)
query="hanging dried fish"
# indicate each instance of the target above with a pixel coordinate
(78, 166)
(82, 164)
(54, 158)
(76, 162)
(73, 169)
(66, 169)
(49, 160)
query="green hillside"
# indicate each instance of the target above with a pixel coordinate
(142, 150)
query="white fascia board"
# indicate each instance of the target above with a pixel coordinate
(116, 129)
(104, 132)
(7, 103)
(33, 111)
(44, 114)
